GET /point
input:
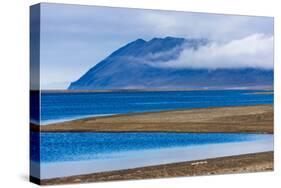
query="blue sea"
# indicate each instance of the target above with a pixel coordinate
(68, 154)
(73, 153)
(58, 147)
(57, 107)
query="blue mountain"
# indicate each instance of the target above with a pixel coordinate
(127, 68)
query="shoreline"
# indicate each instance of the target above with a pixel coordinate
(255, 162)
(261, 88)
(237, 119)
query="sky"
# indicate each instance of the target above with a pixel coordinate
(74, 38)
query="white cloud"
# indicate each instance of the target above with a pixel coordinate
(74, 38)
(254, 51)
(216, 27)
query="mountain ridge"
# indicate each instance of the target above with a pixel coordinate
(128, 68)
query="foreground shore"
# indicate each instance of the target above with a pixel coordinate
(225, 165)
(241, 119)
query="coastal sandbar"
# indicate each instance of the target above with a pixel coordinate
(240, 119)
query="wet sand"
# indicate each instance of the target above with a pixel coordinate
(241, 119)
(224, 165)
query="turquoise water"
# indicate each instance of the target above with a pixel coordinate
(57, 107)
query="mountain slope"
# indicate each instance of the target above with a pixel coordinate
(130, 68)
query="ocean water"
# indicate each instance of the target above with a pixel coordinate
(56, 107)
(61, 147)
(65, 154)
(68, 154)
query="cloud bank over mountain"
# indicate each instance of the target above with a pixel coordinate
(172, 63)
(74, 38)
(254, 51)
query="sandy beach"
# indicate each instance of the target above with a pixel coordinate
(224, 165)
(241, 119)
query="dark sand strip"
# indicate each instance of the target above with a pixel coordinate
(242, 119)
(225, 165)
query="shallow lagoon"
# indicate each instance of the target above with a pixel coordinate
(65, 154)
(57, 147)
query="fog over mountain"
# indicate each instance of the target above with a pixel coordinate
(171, 62)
